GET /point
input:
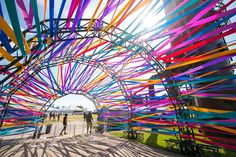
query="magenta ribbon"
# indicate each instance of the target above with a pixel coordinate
(28, 17)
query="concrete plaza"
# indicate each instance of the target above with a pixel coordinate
(85, 145)
(76, 143)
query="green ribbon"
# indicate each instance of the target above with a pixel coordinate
(11, 9)
(36, 19)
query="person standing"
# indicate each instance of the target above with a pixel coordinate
(64, 125)
(84, 116)
(54, 116)
(50, 115)
(58, 116)
(89, 119)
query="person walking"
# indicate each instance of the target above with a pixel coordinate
(89, 119)
(64, 125)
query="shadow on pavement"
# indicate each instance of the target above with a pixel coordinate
(83, 146)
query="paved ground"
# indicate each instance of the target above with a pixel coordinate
(76, 143)
(85, 145)
(74, 128)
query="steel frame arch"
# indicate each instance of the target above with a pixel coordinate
(58, 61)
(100, 32)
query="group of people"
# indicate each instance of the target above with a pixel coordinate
(87, 117)
(53, 116)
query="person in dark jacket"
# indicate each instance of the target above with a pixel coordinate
(58, 116)
(89, 123)
(64, 124)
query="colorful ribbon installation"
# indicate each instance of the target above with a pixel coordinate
(106, 50)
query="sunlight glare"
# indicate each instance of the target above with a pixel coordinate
(149, 21)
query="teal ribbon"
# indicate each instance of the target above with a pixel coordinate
(36, 19)
(11, 8)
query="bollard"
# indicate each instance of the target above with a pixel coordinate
(74, 130)
(23, 134)
(83, 128)
(73, 137)
(54, 134)
(69, 128)
(105, 130)
(35, 139)
(44, 137)
(92, 138)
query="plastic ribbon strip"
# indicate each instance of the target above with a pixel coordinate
(139, 72)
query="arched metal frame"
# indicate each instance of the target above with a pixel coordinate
(63, 33)
(15, 74)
